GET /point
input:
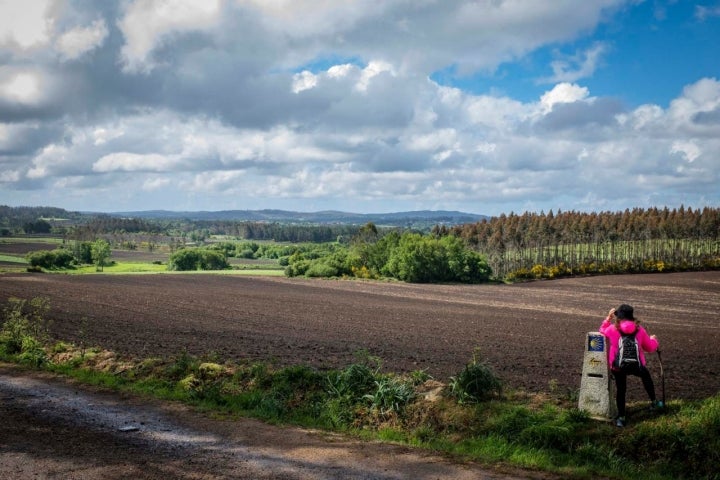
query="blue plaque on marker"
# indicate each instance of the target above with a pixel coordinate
(596, 343)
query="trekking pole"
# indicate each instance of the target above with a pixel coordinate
(662, 376)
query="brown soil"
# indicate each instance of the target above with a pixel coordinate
(531, 334)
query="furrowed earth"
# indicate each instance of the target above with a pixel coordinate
(531, 334)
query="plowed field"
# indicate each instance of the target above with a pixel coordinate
(531, 334)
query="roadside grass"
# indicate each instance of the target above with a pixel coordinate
(542, 432)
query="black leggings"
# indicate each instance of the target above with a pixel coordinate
(621, 384)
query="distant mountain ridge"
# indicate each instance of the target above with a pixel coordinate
(321, 217)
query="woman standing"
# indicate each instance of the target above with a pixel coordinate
(626, 355)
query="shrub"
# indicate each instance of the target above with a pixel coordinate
(475, 383)
(390, 394)
(24, 330)
(205, 382)
(32, 352)
(197, 259)
(51, 259)
(353, 382)
(321, 270)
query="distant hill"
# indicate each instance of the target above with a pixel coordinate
(317, 218)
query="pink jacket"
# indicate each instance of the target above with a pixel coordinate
(646, 343)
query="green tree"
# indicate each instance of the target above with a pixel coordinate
(83, 252)
(416, 259)
(425, 259)
(38, 226)
(100, 253)
(197, 259)
(51, 259)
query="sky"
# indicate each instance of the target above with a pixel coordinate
(365, 106)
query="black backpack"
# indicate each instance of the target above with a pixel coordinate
(628, 354)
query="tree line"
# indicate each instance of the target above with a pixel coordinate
(540, 245)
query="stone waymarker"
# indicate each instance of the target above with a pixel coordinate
(597, 390)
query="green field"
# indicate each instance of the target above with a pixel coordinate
(121, 261)
(12, 259)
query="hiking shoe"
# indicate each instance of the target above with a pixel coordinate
(620, 422)
(657, 405)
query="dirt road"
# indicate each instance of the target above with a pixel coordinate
(52, 428)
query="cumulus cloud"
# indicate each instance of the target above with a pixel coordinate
(76, 42)
(22, 86)
(147, 23)
(688, 149)
(563, 93)
(26, 24)
(260, 104)
(134, 162)
(578, 66)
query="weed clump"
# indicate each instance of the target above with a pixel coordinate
(25, 330)
(475, 383)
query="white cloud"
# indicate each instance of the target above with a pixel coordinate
(304, 80)
(311, 18)
(78, 41)
(9, 176)
(25, 23)
(155, 183)
(563, 93)
(433, 141)
(134, 162)
(272, 102)
(689, 150)
(575, 67)
(48, 160)
(23, 86)
(147, 23)
(698, 100)
(222, 181)
(373, 69)
(103, 135)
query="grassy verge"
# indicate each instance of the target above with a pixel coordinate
(469, 417)
(12, 259)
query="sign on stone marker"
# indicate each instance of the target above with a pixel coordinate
(597, 390)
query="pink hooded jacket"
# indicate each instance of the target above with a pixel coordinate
(646, 343)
